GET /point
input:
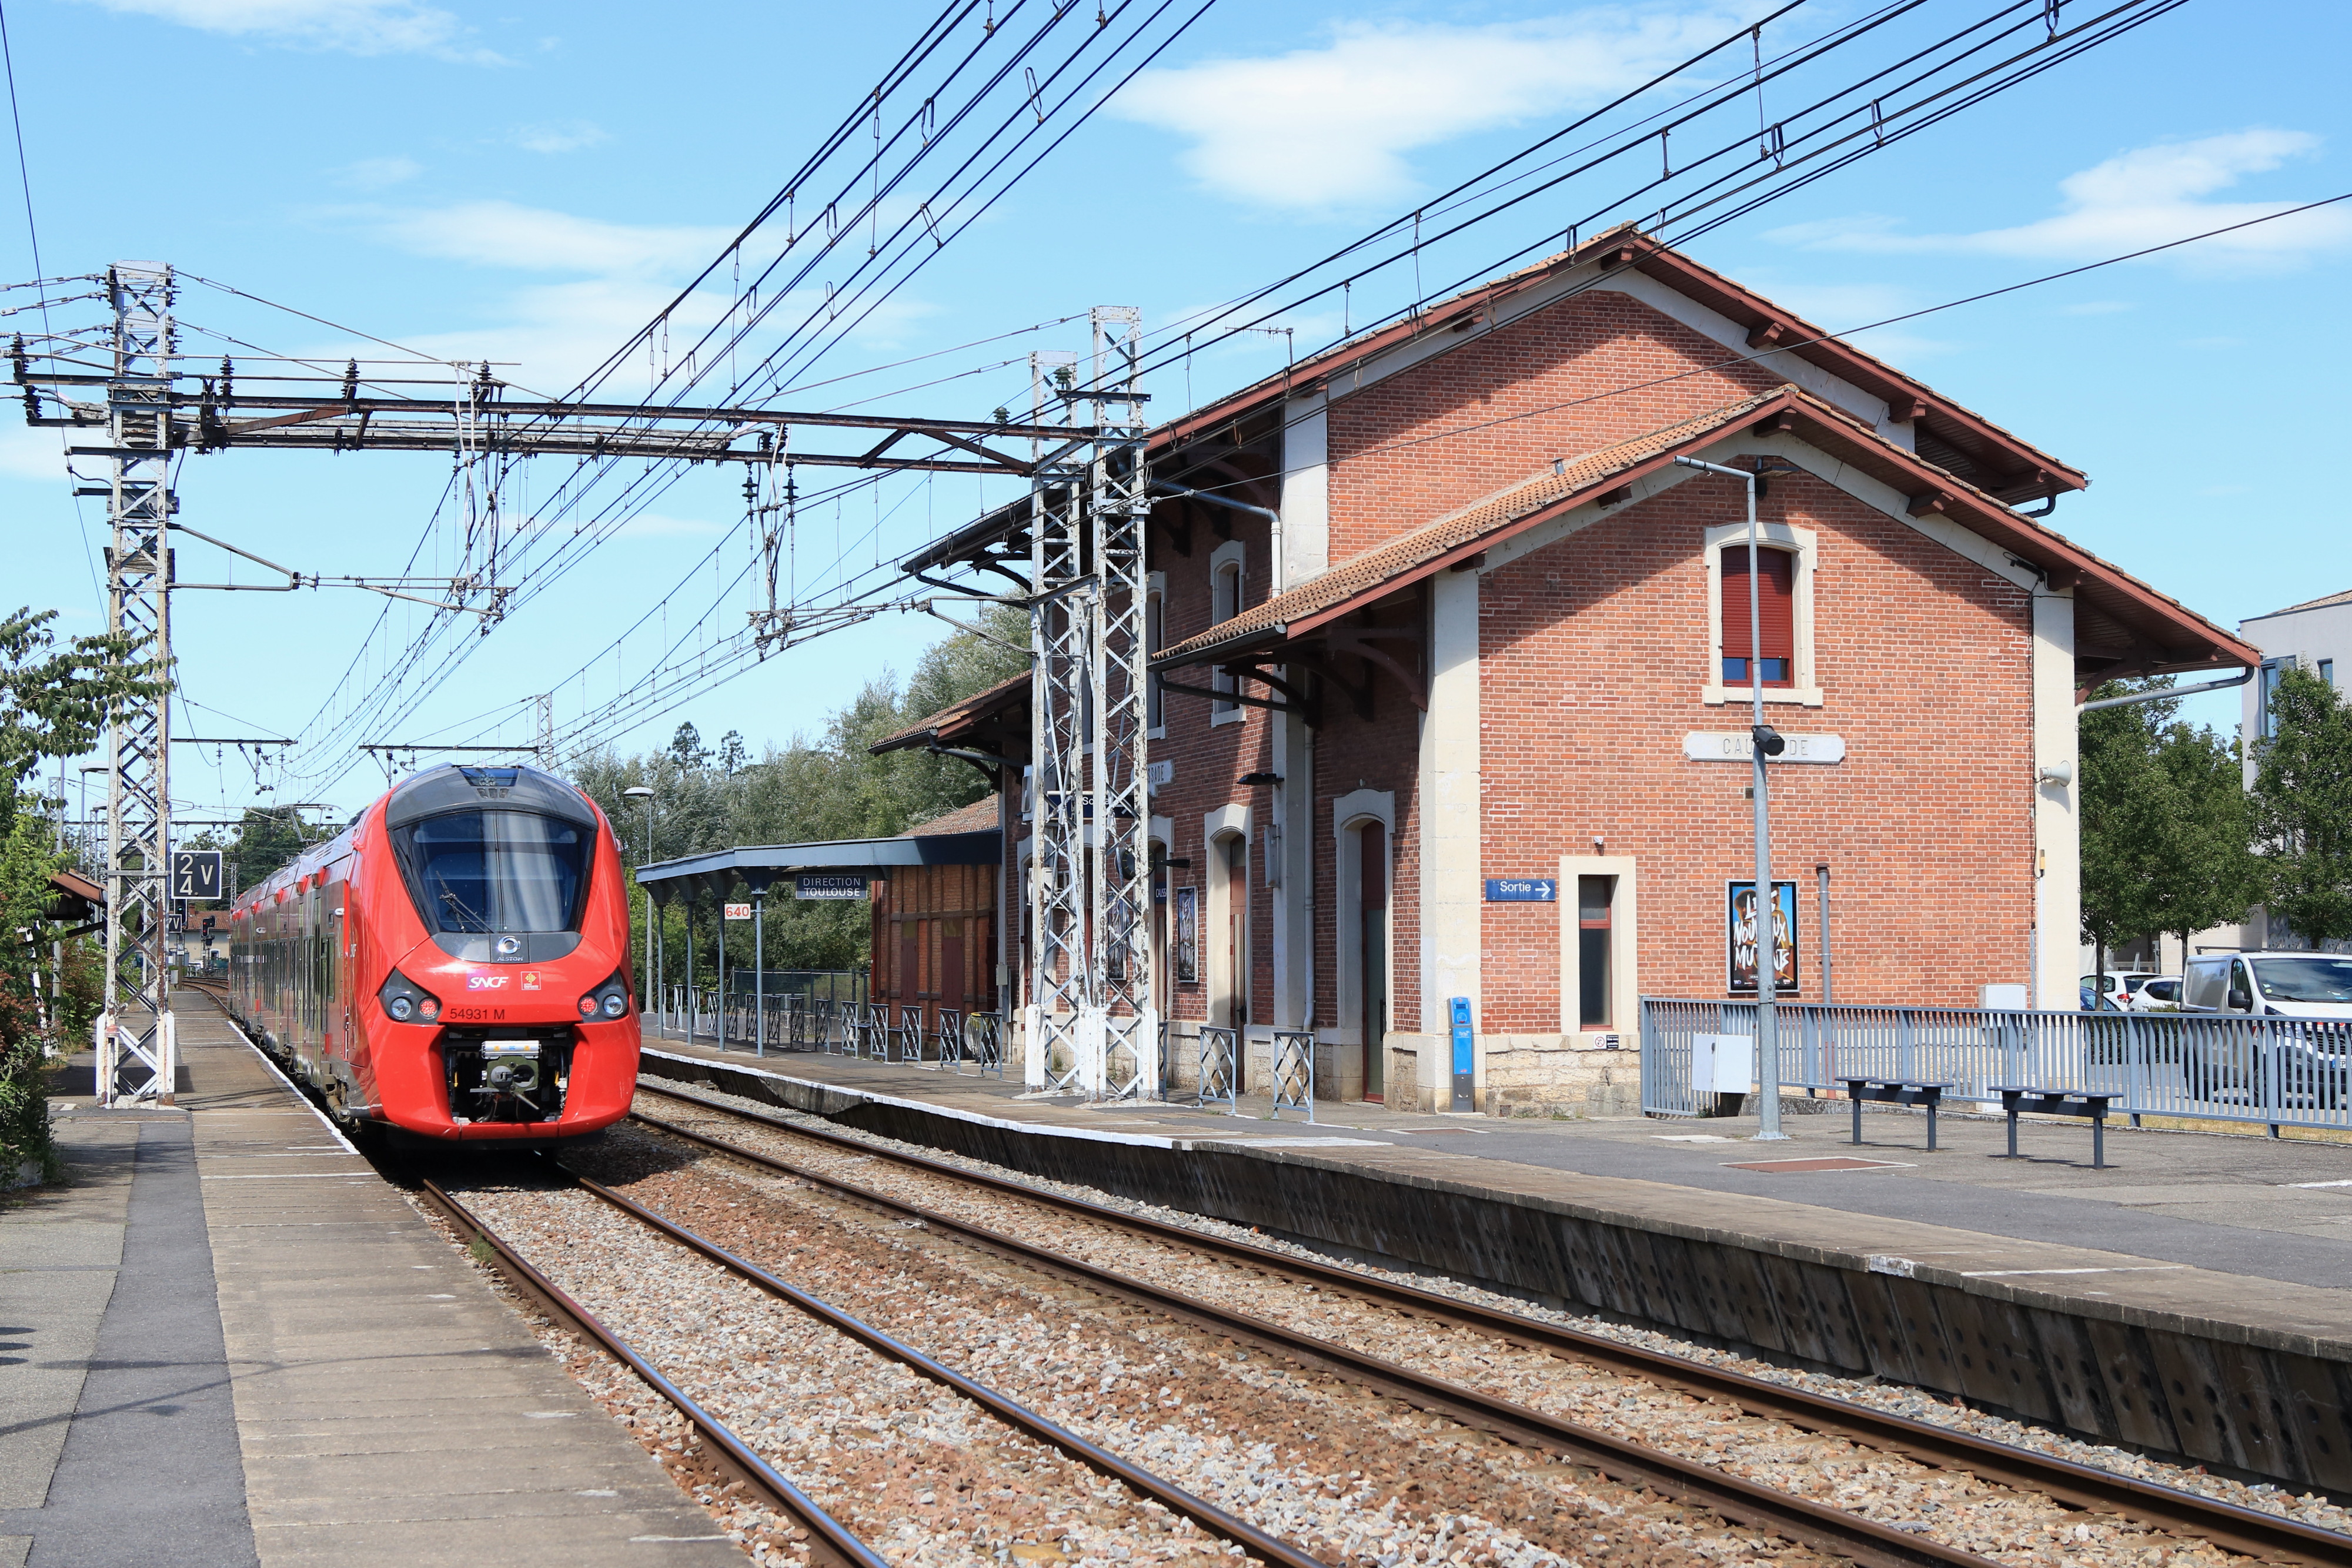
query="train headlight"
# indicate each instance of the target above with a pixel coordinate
(609, 1001)
(405, 1001)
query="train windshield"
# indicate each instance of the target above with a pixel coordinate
(489, 872)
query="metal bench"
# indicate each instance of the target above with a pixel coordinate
(1895, 1091)
(2092, 1107)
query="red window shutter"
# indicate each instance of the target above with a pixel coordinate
(1775, 603)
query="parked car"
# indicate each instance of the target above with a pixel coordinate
(2121, 983)
(2097, 1001)
(2304, 1065)
(2161, 995)
(2281, 985)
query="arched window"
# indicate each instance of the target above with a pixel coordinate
(1226, 600)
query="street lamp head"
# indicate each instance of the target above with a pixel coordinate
(639, 793)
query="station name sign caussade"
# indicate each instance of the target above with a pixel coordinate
(1736, 746)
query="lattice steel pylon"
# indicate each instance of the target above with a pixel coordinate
(135, 1049)
(1092, 1021)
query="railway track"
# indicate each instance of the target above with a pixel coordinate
(2233, 1528)
(831, 1545)
(737, 1456)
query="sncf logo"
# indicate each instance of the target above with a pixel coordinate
(485, 982)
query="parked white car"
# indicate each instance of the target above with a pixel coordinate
(2159, 995)
(2283, 984)
(2121, 983)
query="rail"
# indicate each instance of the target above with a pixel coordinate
(1207, 1515)
(2240, 1530)
(2275, 1071)
(831, 1543)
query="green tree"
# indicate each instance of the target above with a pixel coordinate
(266, 838)
(812, 789)
(2128, 810)
(53, 703)
(2302, 808)
(2207, 873)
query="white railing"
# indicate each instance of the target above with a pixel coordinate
(2214, 1067)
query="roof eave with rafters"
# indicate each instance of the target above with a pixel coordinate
(1626, 248)
(957, 719)
(1932, 491)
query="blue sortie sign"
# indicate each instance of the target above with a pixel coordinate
(1522, 890)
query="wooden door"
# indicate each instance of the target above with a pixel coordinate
(951, 967)
(910, 970)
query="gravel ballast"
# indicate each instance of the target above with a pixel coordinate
(1997, 1521)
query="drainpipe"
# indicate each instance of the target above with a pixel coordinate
(1277, 575)
(2165, 694)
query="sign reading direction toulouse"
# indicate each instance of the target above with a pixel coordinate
(822, 885)
(1738, 745)
(1522, 890)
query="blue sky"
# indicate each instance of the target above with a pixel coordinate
(529, 184)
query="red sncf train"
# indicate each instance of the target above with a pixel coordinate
(455, 964)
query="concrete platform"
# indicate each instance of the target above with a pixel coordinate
(233, 1343)
(2193, 1300)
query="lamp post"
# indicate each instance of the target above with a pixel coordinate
(759, 881)
(1763, 742)
(645, 797)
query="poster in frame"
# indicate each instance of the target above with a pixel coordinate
(1739, 937)
(1188, 934)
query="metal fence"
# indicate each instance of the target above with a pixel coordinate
(820, 985)
(2276, 1072)
(808, 1023)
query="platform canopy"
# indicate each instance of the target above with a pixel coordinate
(706, 876)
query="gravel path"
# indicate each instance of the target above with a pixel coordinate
(916, 1471)
(1997, 1521)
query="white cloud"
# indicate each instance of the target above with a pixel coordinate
(559, 136)
(375, 173)
(353, 26)
(2144, 197)
(595, 283)
(534, 239)
(1329, 126)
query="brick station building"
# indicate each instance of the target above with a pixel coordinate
(1477, 637)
